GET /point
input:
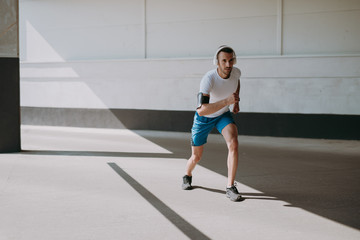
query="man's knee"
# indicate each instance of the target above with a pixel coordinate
(233, 144)
(196, 154)
(195, 157)
(230, 134)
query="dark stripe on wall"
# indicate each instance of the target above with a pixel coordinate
(255, 124)
(9, 105)
(325, 126)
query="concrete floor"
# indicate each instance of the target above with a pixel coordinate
(81, 183)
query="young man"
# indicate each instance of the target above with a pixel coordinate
(219, 89)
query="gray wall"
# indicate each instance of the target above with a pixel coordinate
(9, 78)
(296, 57)
(63, 30)
(317, 85)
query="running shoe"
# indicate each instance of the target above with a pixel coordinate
(233, 194)
(187, 182)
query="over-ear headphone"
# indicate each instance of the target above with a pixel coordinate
(215, 60)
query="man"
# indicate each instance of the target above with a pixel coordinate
(219, 89)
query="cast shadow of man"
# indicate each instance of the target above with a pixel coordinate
(245, 195)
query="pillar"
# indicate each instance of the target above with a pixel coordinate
(9, 77)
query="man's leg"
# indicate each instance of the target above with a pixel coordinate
(230, 134)
(196, 155)
(190, 165)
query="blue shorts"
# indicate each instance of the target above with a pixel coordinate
(202, 126)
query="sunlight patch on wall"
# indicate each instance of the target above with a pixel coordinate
(59, 94)
(37, 48)
(53, 72)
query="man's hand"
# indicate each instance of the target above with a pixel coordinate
(236, 108)
(233, 98)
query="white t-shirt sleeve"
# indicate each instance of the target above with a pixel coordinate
(206, 84)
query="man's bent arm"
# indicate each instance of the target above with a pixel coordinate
(210, 108)
(236, 108)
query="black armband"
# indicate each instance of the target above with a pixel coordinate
(201, 99)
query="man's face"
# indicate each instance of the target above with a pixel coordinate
(225, 63)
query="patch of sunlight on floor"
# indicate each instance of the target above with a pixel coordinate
(49, 138)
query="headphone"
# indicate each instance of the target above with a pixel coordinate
(215, 60)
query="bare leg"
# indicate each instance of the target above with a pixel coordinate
(194, 159)
(230, 134)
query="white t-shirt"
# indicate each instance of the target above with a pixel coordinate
(219, 88)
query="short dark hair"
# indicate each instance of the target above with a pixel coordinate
(226, 49)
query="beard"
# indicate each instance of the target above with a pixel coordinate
(226, 71)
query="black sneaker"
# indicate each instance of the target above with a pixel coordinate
(233, 194)
(187, 182)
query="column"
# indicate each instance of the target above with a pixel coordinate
(9, 77)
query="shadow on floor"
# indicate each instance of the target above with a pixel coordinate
(324, 182)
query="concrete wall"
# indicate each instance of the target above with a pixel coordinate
(297, 57)
(62, 30)
(329, 85)
(9, 78)
(321, 27)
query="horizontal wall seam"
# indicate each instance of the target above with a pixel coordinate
(321, 12)
(210, 19)
(244, 57)
(302, 77)
(54, 79)
(92, 26)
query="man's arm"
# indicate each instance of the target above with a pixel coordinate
(209, 108)
(236, 108)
